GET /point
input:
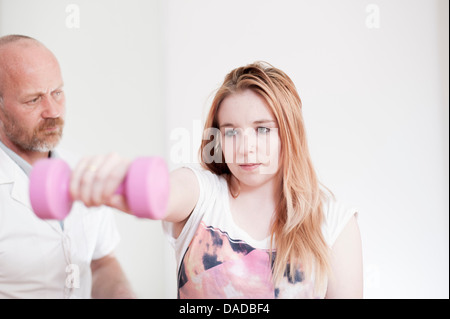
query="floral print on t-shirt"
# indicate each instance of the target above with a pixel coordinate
(216, 266)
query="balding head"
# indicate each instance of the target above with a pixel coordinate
(14, 38)
(6, 42)
(13, 55)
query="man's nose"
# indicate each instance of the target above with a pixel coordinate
(52, 108)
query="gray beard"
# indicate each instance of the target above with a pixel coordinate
(34, 143)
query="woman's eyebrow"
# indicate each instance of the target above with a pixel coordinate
(226, 125)
(262, 121)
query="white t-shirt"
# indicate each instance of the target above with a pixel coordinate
(217, 259)
(39, 259)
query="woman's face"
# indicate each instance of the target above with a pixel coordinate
(250, 141)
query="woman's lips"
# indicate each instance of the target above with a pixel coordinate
(249, 167)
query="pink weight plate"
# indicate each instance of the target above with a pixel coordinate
(49, 189)
(147, 187)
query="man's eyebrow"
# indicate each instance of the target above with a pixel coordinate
(59, 87)
(38, 92)
(29, 95)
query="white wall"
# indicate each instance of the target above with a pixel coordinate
(374, 108)
(375, 97)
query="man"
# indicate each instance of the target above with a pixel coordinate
(41, 258)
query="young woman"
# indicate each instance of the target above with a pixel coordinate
(254, 221)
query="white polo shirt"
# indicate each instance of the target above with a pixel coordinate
(39, 258)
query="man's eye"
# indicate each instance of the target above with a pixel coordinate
(57, 95)
(263, 130)
(34, 101)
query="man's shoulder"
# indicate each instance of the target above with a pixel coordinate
(72, 158)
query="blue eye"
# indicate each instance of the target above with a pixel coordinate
(230, 132)
(263, 130)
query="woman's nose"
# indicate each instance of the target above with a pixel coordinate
(247, 144)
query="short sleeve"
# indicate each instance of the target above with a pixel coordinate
(209, 187)
(337, 215)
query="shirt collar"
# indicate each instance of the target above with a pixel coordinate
(23, 164)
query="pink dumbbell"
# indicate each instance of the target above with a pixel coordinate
(145, 187)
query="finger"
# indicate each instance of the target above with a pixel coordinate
(108, 178)
(119, 202)
(75, 179)
(89, 177)
(117, 175)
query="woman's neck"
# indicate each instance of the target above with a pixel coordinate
(255, 206)
(266, 193)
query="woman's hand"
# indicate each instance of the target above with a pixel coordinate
(95, 180)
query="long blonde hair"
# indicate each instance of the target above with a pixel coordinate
(296, 226)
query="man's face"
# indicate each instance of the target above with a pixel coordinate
(33, 107)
